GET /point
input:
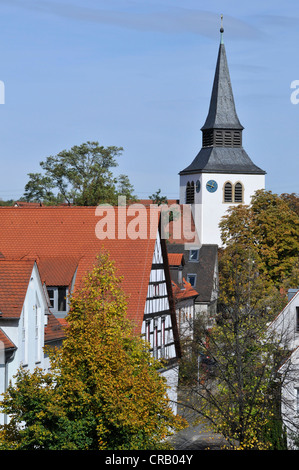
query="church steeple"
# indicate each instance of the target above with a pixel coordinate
(222, 126)
(222, 173)
(222, 150)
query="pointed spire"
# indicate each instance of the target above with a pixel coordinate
(222, 113)
(222, 150)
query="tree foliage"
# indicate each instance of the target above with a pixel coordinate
(231, 377)
(271, 227)
(82, 176)
(104, 390)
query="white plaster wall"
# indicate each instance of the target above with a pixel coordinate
(209, 208)
(13, 329)
(171, 376)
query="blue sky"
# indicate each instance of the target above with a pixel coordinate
(138, 74)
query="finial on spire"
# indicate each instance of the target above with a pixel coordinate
(221, 29)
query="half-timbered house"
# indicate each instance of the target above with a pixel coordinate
(65, 242)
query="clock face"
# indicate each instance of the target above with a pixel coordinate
(211, 186)
(197, 186)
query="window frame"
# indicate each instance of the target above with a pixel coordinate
(55, 304)
(190, 192)
(195, 279)
(242, 193)
(225, 187)
(197, 255)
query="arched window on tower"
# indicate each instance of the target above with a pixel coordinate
(238, 193)
(228, 192)
(190, 193)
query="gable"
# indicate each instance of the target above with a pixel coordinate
(14, 279)
(69, 233)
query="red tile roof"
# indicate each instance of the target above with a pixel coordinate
(54, 330)
(186, 292)
(14, 280)
(57, 232)
(57, 271)
(5, 341)
(175, 259)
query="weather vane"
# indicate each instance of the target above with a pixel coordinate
(221, 29)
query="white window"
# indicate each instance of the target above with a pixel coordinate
(37, 331)
(58, 298)
(24, 337)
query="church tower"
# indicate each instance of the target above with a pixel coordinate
(222, 174)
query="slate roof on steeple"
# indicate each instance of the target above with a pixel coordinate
(222, 116)
(222, 112)
(223, 160)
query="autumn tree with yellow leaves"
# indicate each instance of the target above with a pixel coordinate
(104, 391)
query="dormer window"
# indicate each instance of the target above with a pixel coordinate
(57, 297)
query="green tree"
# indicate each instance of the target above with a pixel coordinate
(104, 390)
(270, 226)
(158, 199)
(82, 176)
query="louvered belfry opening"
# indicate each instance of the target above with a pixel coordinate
(228, 192)
(238, 192)
(222, 138)
(190, 193)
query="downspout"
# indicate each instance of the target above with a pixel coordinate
(9, 357)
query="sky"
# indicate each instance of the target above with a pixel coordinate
(138, 74)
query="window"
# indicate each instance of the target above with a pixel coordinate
(24, 337)
(148, 331)
(190, 193)
(227, 138)
(238, 192)
(228, 192)
(193, 255)
(297, 400)
(37, 331)
(237, 139)
(156, 289)
(297, 319)
(163, 336)
(218, 138)
(57, 297)
(207, 138)
(155, 342)
(51, 297)
(191, 278)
